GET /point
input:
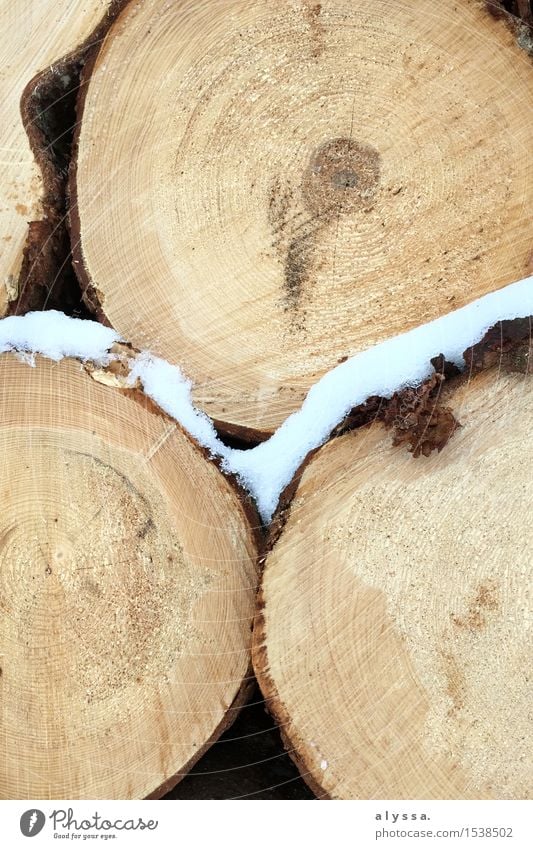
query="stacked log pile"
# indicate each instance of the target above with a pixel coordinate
(256, 192)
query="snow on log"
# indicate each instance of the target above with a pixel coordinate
(391, 642)
(298, 183)
(127, 585)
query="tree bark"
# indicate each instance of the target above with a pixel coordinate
(42, 38)
(391, 642)
(128, 575)
(298, 183)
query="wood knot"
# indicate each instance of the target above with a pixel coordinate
(343, 176)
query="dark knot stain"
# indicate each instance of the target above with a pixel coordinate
(345, 180)
(342, 177)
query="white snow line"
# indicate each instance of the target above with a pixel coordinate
(55, 336)
(381, 370)
(265, 470)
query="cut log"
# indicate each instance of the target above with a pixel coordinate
(127, 586)
(38, 34)
(392, 643)
(263, 189)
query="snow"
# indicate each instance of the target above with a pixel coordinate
(166, 385)
(381, 370)
(55, 336)
(265, 470)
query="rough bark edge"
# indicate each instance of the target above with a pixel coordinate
(241, 697)
(47, 239)
(514, 11)
(282, 511)
(241, 436)
(91, 297)
(509, 345)
(518, 17)
(275, 705)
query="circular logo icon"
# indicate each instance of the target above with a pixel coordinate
(32, 822)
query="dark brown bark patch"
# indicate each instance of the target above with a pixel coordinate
(506, 345)
(418, 420)
(416, 416)
(518, 16)
(48, 110)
